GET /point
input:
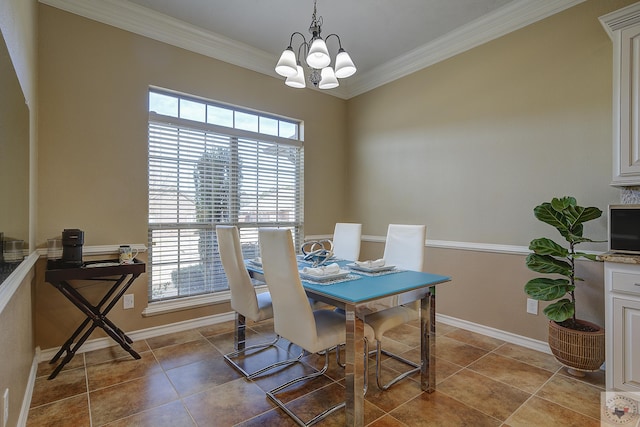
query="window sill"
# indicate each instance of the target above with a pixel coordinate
(188, 303)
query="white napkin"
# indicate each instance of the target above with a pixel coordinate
(371, 264)
(326, 270)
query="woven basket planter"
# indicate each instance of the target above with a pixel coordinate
(580, 350)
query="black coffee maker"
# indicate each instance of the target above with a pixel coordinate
(72, 241)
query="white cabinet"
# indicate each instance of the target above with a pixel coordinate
(622, 309)
(623, 26)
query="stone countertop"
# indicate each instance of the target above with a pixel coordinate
(620, 258)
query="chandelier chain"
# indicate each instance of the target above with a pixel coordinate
(316, 23)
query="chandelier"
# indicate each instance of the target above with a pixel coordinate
(321, 74)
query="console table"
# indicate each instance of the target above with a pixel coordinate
(119, 276)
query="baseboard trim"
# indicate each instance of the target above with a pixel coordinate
(509, 337)
(100, 343)
(28, 393)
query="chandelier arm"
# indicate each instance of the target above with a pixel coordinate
(337, 36)
(291, 39)
(306, 49)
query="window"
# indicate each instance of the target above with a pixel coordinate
(213, 164)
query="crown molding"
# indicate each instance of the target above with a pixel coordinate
(621, 18)
(503, 21)
(140, 20)
(145, 22)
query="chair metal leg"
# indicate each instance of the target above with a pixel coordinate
(260, 347)
(281, 405)
(379, 351)
(338, 361)
(327, 412)
(366, 366)
(366, 362)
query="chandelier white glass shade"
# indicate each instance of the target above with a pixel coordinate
(296, 80)
(318, 60)
(318, 56)
(328, 79)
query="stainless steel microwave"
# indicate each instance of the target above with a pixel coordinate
(624, 229)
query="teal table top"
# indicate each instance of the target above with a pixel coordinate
(367, 287)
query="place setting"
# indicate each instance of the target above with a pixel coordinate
(376, 267)
(326, 274)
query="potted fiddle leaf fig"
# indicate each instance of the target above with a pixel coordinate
(576, 343)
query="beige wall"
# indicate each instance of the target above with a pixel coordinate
(93, 145)
(14, 152)
(18, 23)
(18, 26)
(468, 147)
(17, 350)
(487, 289)
(471, 145)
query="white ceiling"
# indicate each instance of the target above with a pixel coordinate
(372, 31)
(387, 39)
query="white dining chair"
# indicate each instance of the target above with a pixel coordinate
(346, 240)
(294, 319)
(403, 248)
(244, 300)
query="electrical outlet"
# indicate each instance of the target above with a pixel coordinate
(128, 301)
(532, 306)
(5, 408)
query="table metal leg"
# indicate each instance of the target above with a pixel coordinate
(428, 341)
(354, 370)
(239, 338)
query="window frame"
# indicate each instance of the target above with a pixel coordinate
(246, 136)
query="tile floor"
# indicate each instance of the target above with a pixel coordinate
(183, 380)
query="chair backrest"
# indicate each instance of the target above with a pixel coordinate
(404, 247)
(243, 294)
(346, 240)
(292, 313)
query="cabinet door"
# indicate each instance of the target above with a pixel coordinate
(626, 344)
(626, 106)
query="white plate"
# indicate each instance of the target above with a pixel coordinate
(339, 275)
(355, 266)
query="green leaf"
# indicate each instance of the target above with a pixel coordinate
(578, 214)
(560, 311)
(545, 289)
(548, 265)
(546, 213)
(563, 203)
(592, 257)
(546, 246)
(567, 217)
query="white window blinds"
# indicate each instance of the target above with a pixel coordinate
(202, 175)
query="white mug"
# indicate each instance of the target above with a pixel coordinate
(127, 254)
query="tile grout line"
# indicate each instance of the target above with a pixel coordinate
(531, 395)
(86, 379)
(494, 351)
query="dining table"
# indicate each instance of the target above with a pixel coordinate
(361, 291)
